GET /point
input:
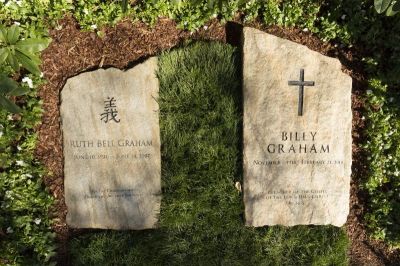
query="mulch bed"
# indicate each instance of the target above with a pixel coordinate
(73, 51)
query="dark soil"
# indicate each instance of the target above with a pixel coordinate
(73, 51)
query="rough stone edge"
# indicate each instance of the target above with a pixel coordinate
(88, 58)
(335, 61)
(338, 65)
(151, 60)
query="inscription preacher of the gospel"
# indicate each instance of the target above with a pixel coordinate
(297, 134)
(111, 144)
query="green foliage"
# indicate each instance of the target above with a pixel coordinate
(92, 14)
(16, 51)
(189, 15)
(124, 5)
(26, 237)
(291, 13)
(9, 87)
(381, 5)
(25, 234)
(347, 23)
(201, 220)
(383, 147)
(391, 7)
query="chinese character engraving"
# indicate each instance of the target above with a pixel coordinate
(110, 111)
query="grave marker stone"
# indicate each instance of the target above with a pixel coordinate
(111, 141)
(297, 145)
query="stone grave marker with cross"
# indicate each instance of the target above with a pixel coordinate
(297, 165)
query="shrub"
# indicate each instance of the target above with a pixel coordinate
(383, 147)
(26, 237)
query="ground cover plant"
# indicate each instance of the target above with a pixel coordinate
(201, 220)
(26, 236)
(383, 142)
(353, 26)
(345, 23)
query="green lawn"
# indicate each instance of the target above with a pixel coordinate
(201, 220)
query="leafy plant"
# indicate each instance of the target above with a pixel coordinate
(124, 5)
(16, 51)
(390, 6)
(383, 146)
(9, 87)
(26, 236)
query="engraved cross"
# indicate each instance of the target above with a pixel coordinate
(301, 83)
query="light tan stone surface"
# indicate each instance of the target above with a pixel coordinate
(112, 170)
(290, 186)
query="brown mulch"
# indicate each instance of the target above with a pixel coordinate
(73, 51)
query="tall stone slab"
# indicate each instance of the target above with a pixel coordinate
(111, 142)
(297, 156)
